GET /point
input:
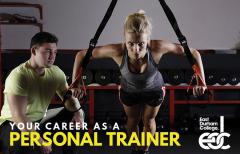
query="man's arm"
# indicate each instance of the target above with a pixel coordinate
(18, 106)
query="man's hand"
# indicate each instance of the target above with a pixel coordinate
(77, 92)
(72, 104)
(199, 90)
(78, 117)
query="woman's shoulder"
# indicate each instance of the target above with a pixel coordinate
(116, 46)
(158, 43)
(115, 49)
(160, 46)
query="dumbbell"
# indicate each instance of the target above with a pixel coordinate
(175, 77)
(223, 78)
(103, 77)
(211, 77)
(234, 79)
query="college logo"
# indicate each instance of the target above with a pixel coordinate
(213, 140)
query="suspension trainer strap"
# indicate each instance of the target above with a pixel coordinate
(182, 39)
(94, 40)
(92, 45)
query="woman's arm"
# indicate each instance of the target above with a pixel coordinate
(113, 51)
(164, 47)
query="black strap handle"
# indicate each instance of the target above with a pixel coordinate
(94, 40)
(92, 45)
(182, 39)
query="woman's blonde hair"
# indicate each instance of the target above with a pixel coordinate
(138, 23)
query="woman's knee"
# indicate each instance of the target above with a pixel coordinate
(149, 122)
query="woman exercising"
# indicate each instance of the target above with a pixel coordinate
(142, 86)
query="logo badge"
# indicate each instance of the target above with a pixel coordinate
(214, 140)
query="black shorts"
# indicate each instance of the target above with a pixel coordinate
(152, 98)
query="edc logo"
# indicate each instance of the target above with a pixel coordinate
(214, 140)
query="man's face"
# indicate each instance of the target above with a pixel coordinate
(45, 54)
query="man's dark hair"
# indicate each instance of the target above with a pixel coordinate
(43, 37)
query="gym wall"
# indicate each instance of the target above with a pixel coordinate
(208, 24)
